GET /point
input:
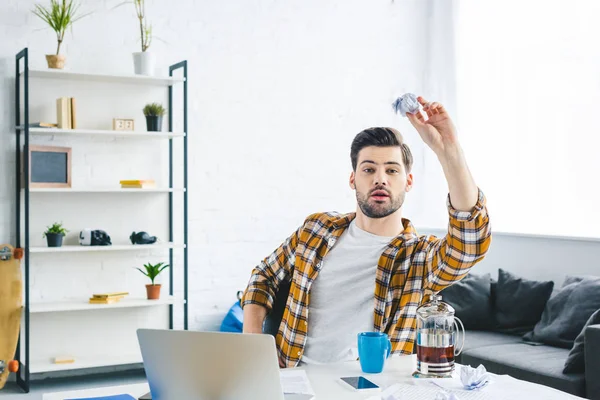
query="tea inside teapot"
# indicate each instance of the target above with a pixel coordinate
(437, 330)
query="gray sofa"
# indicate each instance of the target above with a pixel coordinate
(537, 331)
(503, 353)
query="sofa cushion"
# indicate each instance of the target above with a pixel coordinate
(471, 298)
(538, 364)
(477, 339)
(567, 312)
(592, 362)
(576, 359)
(519, 302)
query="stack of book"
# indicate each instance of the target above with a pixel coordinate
(107, 298)
(65, 113)
(138, 184)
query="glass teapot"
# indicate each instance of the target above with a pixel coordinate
(437, 332)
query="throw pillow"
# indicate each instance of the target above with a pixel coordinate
(471, 298)
(576, 360)
(567, 312)
(519, 302)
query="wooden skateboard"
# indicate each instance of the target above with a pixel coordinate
(11, 306)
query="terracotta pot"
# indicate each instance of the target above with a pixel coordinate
(55, 61)
(153, 292)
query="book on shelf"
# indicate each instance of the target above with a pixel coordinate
(107, 298)
(107, 295)
(66, 113)
(64, 360)
(43, 125)
(72, 113)
(138, 184)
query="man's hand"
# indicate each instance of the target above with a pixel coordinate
(438, 132)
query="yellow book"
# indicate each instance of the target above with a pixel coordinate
(142, 186)
(136, 181)
(61, 113)
(64, 360)
(111, 294)
(109, 300)
(73, 115)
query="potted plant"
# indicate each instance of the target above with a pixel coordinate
(54, 234)
(154, 113)
(60, 15)
(152, 271)
(143, 61)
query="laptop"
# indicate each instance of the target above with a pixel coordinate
(210, 365)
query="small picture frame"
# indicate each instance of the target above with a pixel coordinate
(123, 124)
(49, 167)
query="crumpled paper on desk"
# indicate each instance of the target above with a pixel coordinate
(406, 103)
(474, 378)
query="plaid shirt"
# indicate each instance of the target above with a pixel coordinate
(410, 266)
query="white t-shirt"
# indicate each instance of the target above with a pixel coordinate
(342, 297)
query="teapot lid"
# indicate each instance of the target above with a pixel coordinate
(435, 307)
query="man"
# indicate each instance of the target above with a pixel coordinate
(369, 270)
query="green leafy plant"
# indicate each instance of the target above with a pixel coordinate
(145, 29)
(152, 270)
(154, 109)
(56, 228)
(60, 15)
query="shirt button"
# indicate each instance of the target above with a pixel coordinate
(299, 353)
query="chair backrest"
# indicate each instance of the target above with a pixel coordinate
(273, 319)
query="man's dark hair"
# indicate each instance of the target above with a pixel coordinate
(380, 137)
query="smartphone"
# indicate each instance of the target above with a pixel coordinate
(360, 383)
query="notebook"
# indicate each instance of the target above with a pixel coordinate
(113, 397)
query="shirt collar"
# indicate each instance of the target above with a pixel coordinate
(408, 234)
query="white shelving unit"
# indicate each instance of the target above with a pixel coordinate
(69, 323)
(39, 366)
(81, 305)
(121, 247)
(105, 190)
(94, 77)
(102, 133)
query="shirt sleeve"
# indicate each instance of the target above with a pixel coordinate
(271, 273)
(469, 236)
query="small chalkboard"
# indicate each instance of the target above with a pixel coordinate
(49, 166)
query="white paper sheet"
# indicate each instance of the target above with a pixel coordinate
(295, 382)
(401, 391)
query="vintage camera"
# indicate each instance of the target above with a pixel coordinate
(94, 237)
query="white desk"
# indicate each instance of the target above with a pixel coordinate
(324, 382)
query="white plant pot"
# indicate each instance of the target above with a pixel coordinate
(143, 63)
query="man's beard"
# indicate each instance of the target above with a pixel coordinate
(373, 209)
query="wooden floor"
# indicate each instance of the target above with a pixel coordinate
(12, 392)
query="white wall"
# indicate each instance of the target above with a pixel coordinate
(277, 91)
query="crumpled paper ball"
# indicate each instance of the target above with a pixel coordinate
(406, 103)
(474, 378)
